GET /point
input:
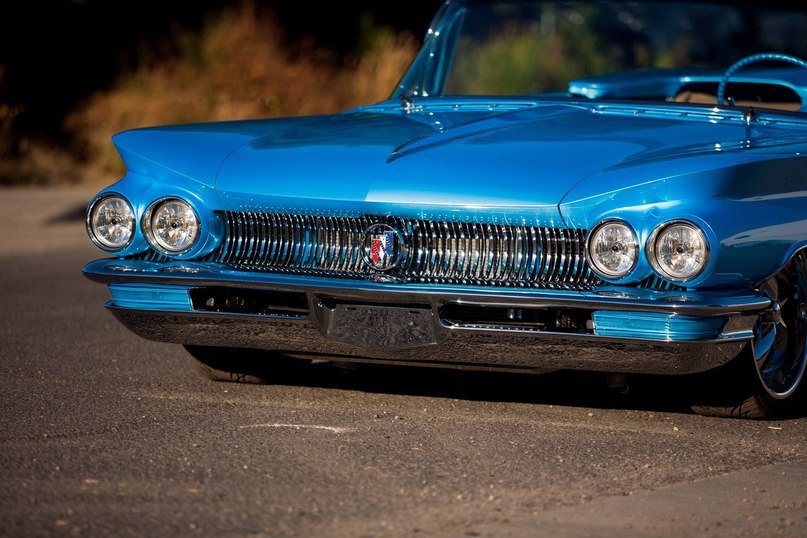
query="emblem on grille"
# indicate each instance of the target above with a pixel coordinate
(382, 247)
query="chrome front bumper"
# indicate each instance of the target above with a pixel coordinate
(642, 331)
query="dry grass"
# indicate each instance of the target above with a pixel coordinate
(237, 67)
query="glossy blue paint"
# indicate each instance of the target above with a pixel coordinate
(193, 152)
(150, 297)
(656, 326)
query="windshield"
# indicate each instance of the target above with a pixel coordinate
(651, 50)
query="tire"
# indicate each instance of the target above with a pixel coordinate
(235, 365)
(768, 380)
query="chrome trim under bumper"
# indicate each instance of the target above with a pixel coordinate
(456, 348)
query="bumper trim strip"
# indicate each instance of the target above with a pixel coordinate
(723, 303)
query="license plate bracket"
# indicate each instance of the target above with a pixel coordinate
(382, 327)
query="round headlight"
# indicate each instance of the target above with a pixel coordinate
(111, 222)
(171, 226)
(612, 249)
(678, 251)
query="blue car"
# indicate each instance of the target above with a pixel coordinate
(607, 186)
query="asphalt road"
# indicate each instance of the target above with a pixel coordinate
(103, 433)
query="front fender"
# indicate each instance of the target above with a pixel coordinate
(754, 211)
(142, 190)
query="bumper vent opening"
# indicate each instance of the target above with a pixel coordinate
(246, 301)
(331, 303)
(555, 320)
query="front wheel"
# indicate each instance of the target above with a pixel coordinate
(770, 382)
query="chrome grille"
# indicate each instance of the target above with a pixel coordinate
(435, 251)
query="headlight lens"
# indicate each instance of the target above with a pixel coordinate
(171, 226)
(613, 249)
(679, 251)
(111, 222)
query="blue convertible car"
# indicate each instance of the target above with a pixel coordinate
(609, 186)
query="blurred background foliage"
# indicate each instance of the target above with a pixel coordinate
(217, 62)
(519, 59)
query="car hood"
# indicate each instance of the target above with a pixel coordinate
(439, 159)
(513, 159)
(428, 161)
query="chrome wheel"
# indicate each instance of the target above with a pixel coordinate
(780, 345)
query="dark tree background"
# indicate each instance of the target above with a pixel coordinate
(53, 53)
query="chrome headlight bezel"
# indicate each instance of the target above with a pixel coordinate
(147, 226)
(90, 218)
(651, 250)
(604, 272)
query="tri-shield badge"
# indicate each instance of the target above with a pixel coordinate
(382, 247)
